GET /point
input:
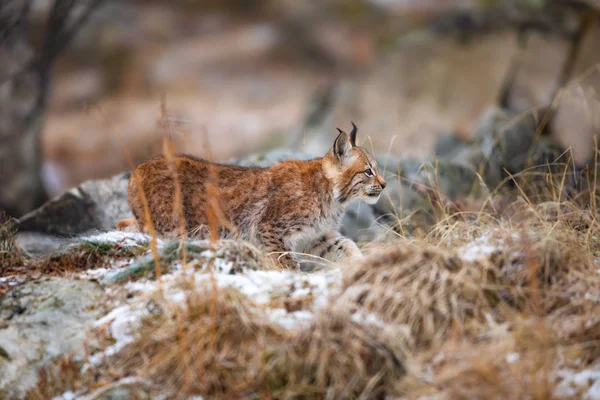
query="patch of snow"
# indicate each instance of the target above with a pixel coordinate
(368, 319)
(591, 297)
(594, 392)
(140, 286)
(223, 266)
(12, 281)
(66, 396)
(262, 286)
(129, 239)
(573, 383)
(477, 249)
(100, 273)
(485, 245)
(121, 323)
(207, 254)
(95, 273)
(512, 358)
(290, 320)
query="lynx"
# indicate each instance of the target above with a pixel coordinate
(292, 207)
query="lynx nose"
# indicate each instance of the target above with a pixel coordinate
(381, 182)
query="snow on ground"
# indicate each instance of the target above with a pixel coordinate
(126, 239)
(267, 289)
(264, 287)
(11, 281)
(482, 247)
(121, 239)
(585, 383)
(121, 321)
(261, 286)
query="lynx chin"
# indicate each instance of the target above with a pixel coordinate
(292, 207)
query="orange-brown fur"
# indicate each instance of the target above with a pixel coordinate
(293, 206)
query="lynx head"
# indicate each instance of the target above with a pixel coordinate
(352, 170)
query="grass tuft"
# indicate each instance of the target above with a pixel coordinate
(340, 356)
(215, 344)
(428, 289)
(10, 253)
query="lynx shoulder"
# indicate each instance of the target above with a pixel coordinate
(292, 207)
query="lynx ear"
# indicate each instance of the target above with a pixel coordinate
(342, 145)
(353, 134)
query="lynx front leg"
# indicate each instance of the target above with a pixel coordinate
(274, 244)
(334, 247)
(127, 225)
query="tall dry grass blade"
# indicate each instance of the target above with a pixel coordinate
(173, 164)
(148, 224)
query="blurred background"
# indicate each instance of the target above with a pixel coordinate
(225, 78)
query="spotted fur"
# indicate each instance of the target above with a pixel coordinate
(292, 207)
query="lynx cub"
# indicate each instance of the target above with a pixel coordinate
(293, 206)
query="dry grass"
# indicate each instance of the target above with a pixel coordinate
(214, 344)
(10, 253)
(499, 298)
(339, 356)
(429, 289)
(219, 344)
(513, 365)
(12, 260)
(64, 374)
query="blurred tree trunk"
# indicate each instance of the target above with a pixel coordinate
(24, 83)
(21, 187)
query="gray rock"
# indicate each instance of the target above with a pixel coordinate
(506, 141)
(360, 223)
(94, 205)
(39, 244)
(39, 321)
(271, 158)
(447, 145)
(316, 133)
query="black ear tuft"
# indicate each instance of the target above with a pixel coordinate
(353, 134)
(339, 130)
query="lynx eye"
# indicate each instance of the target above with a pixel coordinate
(369, 172)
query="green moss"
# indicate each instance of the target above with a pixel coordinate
(239, 254)
(145, 266)
(86, 255)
